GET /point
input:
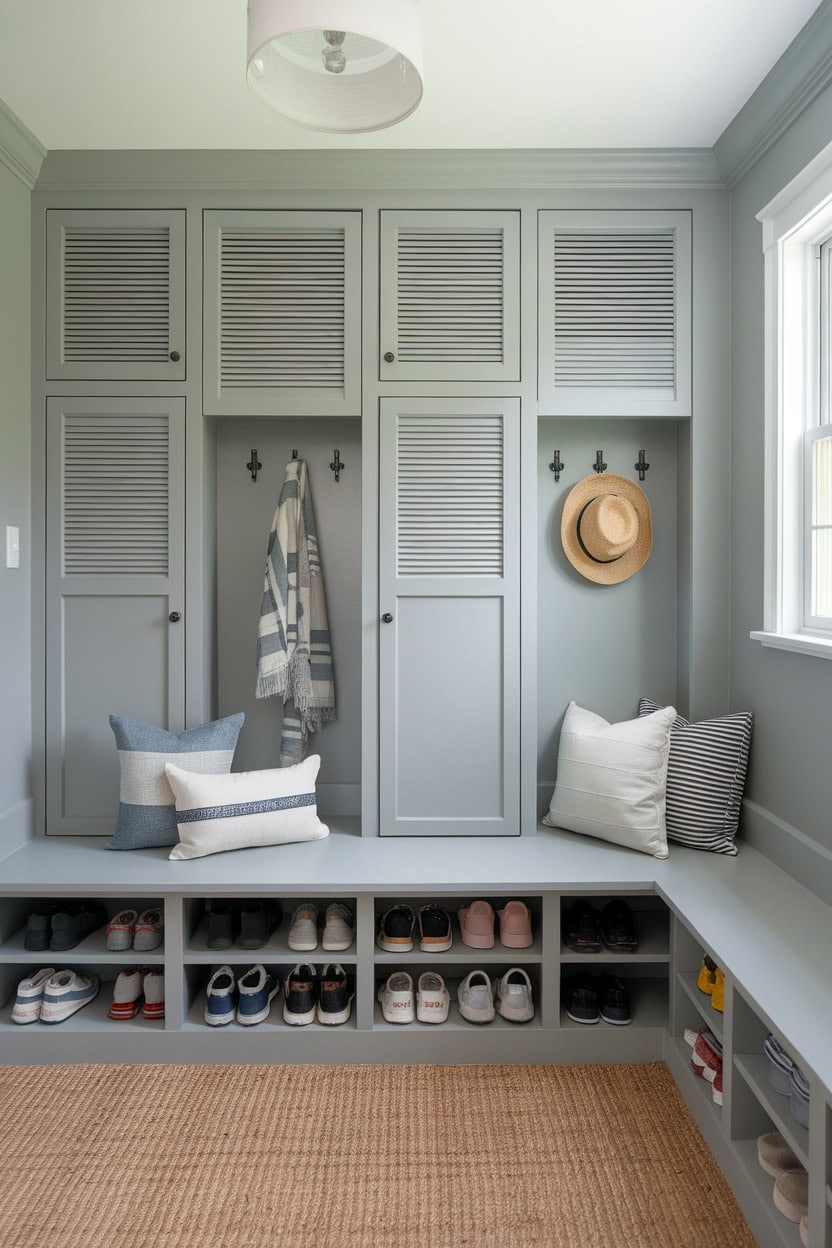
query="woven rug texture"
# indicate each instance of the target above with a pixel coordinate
(348, 1156)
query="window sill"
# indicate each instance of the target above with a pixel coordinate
(798, 643)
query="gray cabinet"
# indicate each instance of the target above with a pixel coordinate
(614, 318)
(114, 583)
(450, 616)
(282, 313)
(450, 296)
(115, 297)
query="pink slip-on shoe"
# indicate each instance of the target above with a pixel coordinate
(476, 922)
(515, 925)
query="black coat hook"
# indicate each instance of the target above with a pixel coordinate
(254, 465)
(337, 464)
(599, 464)
(557, 465)
(641, 465)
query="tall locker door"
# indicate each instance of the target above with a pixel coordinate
(449, 635)
(114, 593)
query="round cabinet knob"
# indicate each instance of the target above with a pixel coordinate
(389, 357)
(175, 357)
(175, 617)
(387, 618)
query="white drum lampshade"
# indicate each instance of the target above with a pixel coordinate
(340, 65)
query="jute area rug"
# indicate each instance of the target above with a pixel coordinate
(255, 1156)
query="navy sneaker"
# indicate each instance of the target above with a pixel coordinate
(335, 998)
(256, 989)
(221, 998)
(301, 995)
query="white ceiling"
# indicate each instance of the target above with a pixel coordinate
(531, 73)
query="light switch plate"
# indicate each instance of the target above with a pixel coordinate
(12, 546)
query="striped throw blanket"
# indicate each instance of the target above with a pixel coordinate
(294, 656)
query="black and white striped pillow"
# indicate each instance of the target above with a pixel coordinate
(705, 778)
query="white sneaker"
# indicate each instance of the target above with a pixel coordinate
(476, 998)
(432, 998)
(338, 927)
(303, 933)
(396, 997)
(65, 993)
(26, 1008)
(514, 996)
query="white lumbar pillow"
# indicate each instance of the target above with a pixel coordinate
(245, 808)
(612, 779)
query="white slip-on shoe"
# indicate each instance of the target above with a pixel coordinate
(27, 1003)
(514, 996)
(150, 930)
(66, 992)
(303, 932)
(338, 928)
(396, 997)
(121, 930)
(476, 998)
(127, 992)
(432, 998)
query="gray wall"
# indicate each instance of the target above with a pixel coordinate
(15, 507)
(790, 694)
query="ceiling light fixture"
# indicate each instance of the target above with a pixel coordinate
(341, 65)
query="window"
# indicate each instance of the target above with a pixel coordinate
(797, 242)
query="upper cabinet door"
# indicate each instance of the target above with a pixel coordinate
(450, 296)
(615, 313)
(282, 313)
(115, 299)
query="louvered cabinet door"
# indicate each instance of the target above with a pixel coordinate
(114, 574)
(450, 296)
(115, 305)
(615, 313)
(282, 314)
(449, 652)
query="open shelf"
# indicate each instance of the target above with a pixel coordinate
(701, 1086)
(784, 1232)
(276, 949)
(648, 1006)
(653, 942)
(712, 1018)
(92, 948)
(754, 1069)
(89, 1018)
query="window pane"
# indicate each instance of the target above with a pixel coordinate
(822, 572)
(822, 481)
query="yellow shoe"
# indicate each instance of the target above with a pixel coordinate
(718, 992)
(707, 976)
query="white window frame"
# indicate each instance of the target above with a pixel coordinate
(795, 224)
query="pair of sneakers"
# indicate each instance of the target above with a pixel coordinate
(706, 1058)
(52, 996)
(130, 930)
(128, 990)
(310, 996)
(338, 930)
(397, 927)
(247, 999)
(510, 996)
(711, 981)
(429, 1004)
(476, 923)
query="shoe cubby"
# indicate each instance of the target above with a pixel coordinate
(453, 972)
(781, 1231)
(647, 987)
(276, 948)
(15, 911)
(196, 984)
(92, 1017)
(460, 951)
(688, 956)
(651, 920)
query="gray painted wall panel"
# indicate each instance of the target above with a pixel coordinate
(790, 694)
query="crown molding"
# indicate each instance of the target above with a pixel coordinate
(327, 170)
(801, 74)
(20, 151)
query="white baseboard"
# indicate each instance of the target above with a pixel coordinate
(17, 826)
(803, 858)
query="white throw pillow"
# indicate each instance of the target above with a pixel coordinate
(612, 779)
(245, 808)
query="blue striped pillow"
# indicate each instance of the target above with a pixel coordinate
(147, 811)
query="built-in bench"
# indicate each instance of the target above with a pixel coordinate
(772, 937)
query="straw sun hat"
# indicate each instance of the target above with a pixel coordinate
(606, 528)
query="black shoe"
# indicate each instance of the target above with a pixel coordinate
(335, 999)
(73, 922)
(219, 919)
(300, 996)
(615, 1001)
(39, 927)
(395, 931)
(434, 929)
(580, 998)
(618, 927)
(580, 928)
(258, 919)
